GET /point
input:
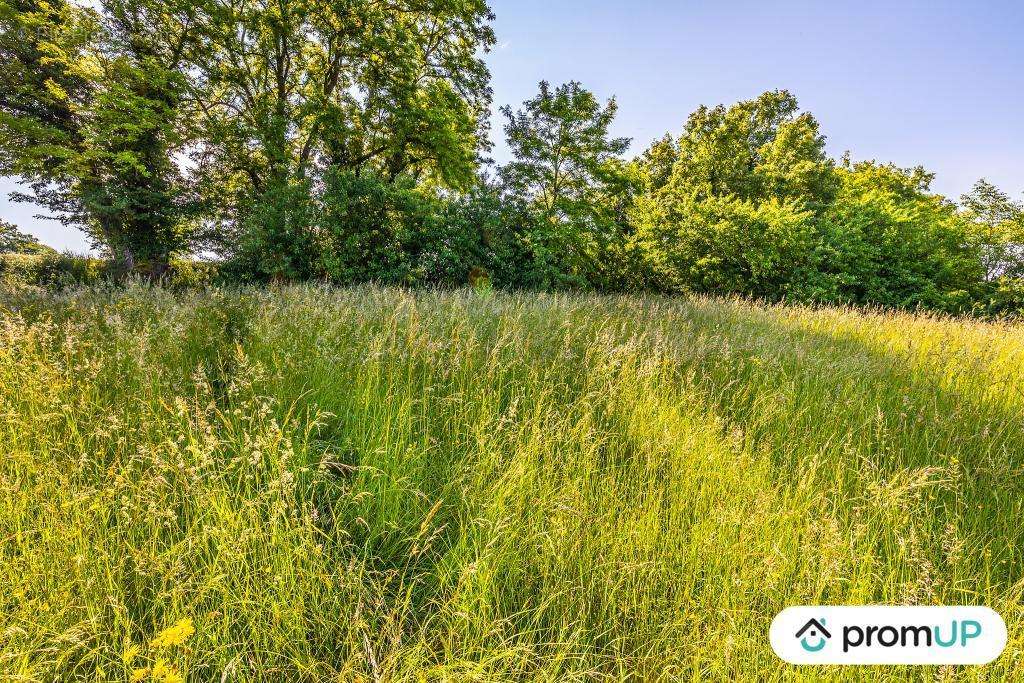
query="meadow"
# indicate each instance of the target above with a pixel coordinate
(372, 484)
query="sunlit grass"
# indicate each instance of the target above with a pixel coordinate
(370, 484)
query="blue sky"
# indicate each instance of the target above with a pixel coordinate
(938, 83)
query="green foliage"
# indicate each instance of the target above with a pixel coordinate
(53, 271)
(298, 100)
(306, 139)
(367, 228)
(727, 245)
(754, 150)
(50, 270)
(886, 240)
(732, 205)
(1002, 297)
(14, 241)
(374, 230)
(480, 236)
(193, 274)
(46, 80)
(998, 223)
(566, 166)
(274, 238)
(297, 85)
(99, 105)
(747, 202)
(89, 119)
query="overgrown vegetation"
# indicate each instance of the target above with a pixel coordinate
(647, 426)
(53, 272)
(373, 484)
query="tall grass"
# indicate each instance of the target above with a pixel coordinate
(377, 485)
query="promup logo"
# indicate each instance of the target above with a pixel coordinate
(815, 631)
(888, 635)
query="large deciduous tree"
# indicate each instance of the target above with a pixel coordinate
(109, 111)
(90, 120)
(296, 89)
(567, 166)
(730, 205)
(47, 80)
(999, 228)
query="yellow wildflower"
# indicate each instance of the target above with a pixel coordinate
(175, 635)
(164, 672)
(130, 652)
(139, 674)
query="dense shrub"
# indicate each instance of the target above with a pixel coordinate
(366, 228)
(371, 229)
(1001, 297)
(191, 273)
(886, 240)
(55, 271)
(479, 233)
(727, 245)
(275, 238)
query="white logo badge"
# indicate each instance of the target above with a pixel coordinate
(888, 635)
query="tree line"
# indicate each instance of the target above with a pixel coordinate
(347, 140)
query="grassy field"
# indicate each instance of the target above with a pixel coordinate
(377, 485)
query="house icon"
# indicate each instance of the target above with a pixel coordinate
(814, 636)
